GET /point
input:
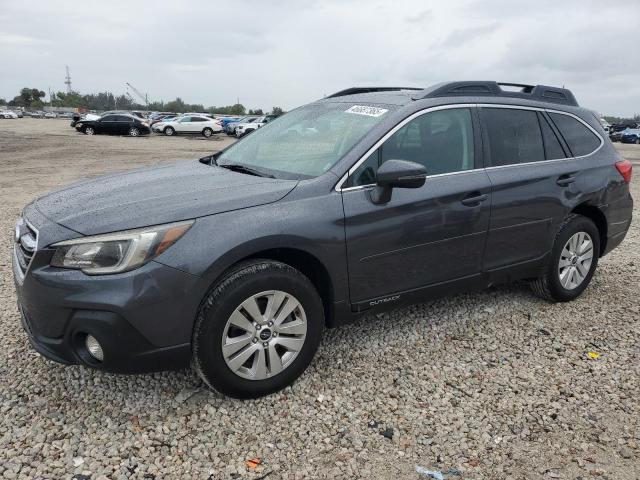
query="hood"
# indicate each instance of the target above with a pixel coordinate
(156, 195)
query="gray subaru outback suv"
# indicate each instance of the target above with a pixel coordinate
(366, 200)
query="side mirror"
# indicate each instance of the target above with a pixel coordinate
(397, 174)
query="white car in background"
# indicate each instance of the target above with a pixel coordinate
(244, 128)
(8, 114)
(50, 115)
(189, 124)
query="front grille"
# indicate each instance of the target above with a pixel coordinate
(26, 243)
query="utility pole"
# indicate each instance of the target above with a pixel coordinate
(67, 80)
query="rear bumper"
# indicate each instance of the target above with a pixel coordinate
(619, 216)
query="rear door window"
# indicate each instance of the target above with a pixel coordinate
(514, 136)
(581, 140)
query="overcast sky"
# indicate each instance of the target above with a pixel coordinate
(289, 52)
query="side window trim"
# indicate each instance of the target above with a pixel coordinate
(560, 137)
(483, 151)
(386, 136)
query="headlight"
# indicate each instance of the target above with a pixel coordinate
(117, 252)
(78, 125)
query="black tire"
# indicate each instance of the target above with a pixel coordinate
(169, 131)
(134, 132)
(243, 281)
(207, 132)
(548, 285)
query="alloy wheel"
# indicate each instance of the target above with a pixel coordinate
(575, 260)
(264, 335)
(89, 131)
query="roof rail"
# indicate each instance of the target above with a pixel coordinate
(355, 90)
(541, 93)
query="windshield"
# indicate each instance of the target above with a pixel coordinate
(305, 142)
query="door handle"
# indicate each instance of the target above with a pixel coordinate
(474, 199)
(565, 180)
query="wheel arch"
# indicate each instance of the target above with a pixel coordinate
(296, 256)
(310, 266)
(596, 216)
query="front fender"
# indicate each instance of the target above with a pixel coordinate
(217, 242)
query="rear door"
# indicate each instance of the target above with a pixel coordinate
(426, 236)
(122, 124)
(197, 124)
(107, 124)
(532, 181)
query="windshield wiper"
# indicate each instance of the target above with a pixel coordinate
(236, 167)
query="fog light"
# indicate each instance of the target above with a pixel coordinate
(94, 347)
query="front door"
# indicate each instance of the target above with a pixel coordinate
(426, 236)
(183, 125)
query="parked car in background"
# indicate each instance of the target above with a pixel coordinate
(8, 114)
(50, 115)
(243, 129)
(163, 118)
(630, 135)
(230, 127)
(615, 130)
(189, 125)
(237, 263)
(226, 121)
(19, 113)
(120, 124)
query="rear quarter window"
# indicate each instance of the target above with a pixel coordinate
(580, 139)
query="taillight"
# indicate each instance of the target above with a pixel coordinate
(625, 167)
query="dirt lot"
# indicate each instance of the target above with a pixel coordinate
(494, 385)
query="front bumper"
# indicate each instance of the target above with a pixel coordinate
(628, 139)
(143, 319)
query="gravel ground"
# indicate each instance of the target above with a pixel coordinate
(495, 385)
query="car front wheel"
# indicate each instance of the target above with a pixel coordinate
(169, 131)
(257, 330)
(89, 131)
(573, 261)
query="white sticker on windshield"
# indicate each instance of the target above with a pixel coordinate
(368, 111)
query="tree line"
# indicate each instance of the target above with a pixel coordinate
(34, 98)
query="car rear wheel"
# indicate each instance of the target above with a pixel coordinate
(169, 131)
(207, 132)
(134, 131)
(89, 131)
(257, 330)
(573, 261)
